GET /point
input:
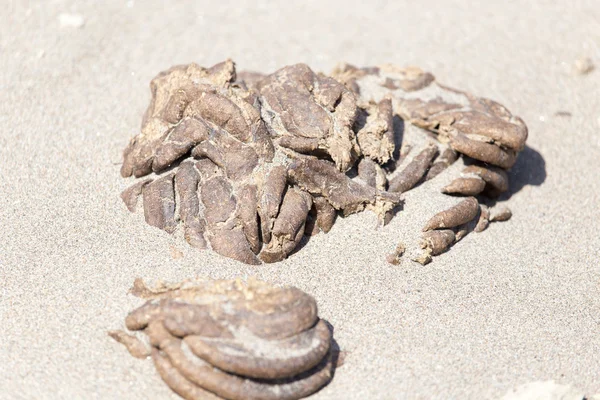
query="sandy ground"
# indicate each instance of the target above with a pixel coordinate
(517, 303)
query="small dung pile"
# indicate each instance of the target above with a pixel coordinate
(248, 163)
(231, 340)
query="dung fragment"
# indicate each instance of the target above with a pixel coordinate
(466, 186)
(176, 381)
(187, 180)
(484, 218)
(372, 174)
(443, 161)
(299, 103)
(376, 137)
(437, 241)
(395, 257)
(500, 213)
(159, 203)
(321, 178)
(134, 345)
(321, 218)
(414, 171)
(288, 228)
(463, 120)
(176, 254)
(495, 178)
(131, 195)
(434, 243)
(242, 357)
(460, 214)
(486, 152)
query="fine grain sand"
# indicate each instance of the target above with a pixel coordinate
(517, 303)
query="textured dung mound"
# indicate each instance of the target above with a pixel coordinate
(248, 164)
(226, 339)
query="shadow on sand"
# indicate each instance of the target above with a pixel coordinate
(530, 169)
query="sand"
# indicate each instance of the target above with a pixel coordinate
(517, 303)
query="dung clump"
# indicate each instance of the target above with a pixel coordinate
(231, 340)
(247, 164)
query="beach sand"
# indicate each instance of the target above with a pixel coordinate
(517, 303)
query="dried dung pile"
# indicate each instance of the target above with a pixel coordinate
(247, 164)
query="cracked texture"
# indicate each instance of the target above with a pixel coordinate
(248, 164)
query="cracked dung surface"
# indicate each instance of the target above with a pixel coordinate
(249, 164)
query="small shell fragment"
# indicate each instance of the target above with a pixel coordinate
(583, 65)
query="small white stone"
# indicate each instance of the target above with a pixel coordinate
(540, 390)
(583, 65)
(71, 20)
